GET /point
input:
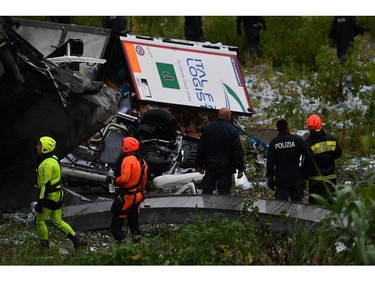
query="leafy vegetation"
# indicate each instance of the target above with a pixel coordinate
(345, 237)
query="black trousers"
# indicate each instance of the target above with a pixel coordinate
(295, 193)
(133, 223)
(214, 179)
(322, 188)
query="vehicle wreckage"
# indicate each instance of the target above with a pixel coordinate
(89, 87)
(37, 97)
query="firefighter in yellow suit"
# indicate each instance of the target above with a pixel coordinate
(51, 194)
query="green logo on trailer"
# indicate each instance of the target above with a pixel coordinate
(167, 75)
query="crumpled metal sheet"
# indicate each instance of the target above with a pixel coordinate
(39, 98)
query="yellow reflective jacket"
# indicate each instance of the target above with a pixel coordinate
(49, 177)
(326, 150)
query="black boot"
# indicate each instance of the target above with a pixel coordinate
(77, 242)
(116, 229)
(44, 244)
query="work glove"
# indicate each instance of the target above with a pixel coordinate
(271, 184)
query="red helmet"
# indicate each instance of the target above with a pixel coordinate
(130, 144)
(314, 123)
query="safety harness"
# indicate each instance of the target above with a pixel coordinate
(132, 190)
(50, 188)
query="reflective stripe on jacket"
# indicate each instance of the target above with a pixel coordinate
(323, 178)
(326, 149)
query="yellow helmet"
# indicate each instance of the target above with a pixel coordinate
(48, 144)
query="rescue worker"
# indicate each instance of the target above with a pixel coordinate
(116, 23)
(193, 30)
(219, 154)
(343, 31)
(132, 183)
(51, 194)
(285, 164)
(252, 26)
(326, 149)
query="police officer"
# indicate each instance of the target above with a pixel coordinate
(285, 164)
(132, 183)
(326, 150)
(51, 194)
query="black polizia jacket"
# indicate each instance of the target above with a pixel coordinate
(284, 162)
(220, 148)
(326, 149)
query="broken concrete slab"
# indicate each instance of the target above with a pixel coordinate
(179, 209)
(39, 98)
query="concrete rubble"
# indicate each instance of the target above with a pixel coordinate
(179, 209)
